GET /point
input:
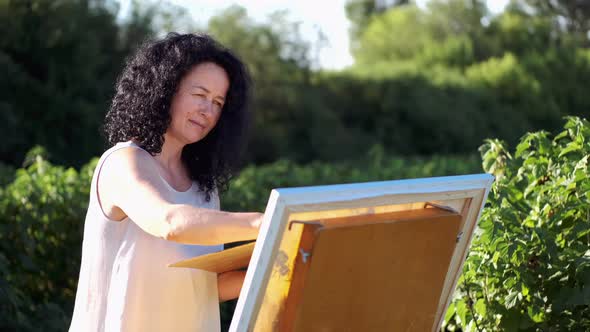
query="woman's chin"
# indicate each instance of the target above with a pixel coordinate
(194, 139)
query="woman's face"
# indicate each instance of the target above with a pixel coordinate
(196, 106)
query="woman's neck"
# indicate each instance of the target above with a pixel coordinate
(171, 155)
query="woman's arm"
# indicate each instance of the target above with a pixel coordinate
(229, 285)
(188, 224)
(130, 181)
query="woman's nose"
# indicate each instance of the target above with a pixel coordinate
(206, 107)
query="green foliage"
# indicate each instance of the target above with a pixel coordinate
(518, 33)
(250, 191)
(450, 64)
(360, 12)
(397, 34)
(571, 19)
(448, 33)
(399, 107)
(278, 59)
(41, 220)
(529, 264)
(442, 65)
(62, 58)
(503, 74)
(515, 89)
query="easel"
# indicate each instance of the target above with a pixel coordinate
(357, 265)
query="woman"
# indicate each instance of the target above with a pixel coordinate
(177, 124)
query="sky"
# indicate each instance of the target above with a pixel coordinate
(328, 16)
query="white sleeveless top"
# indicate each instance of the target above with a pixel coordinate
(125, 284)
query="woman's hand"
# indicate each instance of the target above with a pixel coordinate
(257, 220)
(229, 285)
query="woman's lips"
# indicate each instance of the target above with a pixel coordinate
(196, 124)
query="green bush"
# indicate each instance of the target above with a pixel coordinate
(251, 189)
(529, 265)
(41, 219)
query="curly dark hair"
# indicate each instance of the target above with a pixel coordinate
(140, 109)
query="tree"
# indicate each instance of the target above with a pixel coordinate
(447, 32)
(360, 12)
(397, 34)
(62, 59)
(570, 17)
(280, 63)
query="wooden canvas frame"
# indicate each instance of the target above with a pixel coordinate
(466, 194)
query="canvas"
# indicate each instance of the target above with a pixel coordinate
(356, 257)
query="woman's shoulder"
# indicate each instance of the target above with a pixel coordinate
(128, 154)
(119, 146)
(126, 159)
(125, 150)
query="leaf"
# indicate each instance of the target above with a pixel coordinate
(450, 312)
(511, 299)
(523, 146)
(461, 309)
(557, 275)
(480, 307)
(561, 135)
(570, 147)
